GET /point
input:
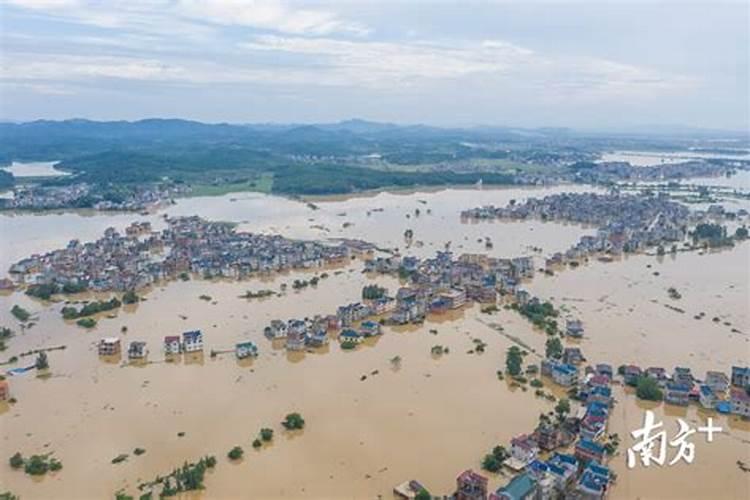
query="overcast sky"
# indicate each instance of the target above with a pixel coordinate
(587, 64)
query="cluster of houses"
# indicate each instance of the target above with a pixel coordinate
(583, 474)
(141, 257)
(300, 334)
(188, 342)
(625, 223)
(561, 476)
(83, 195)
(442, 283)
(715, 392)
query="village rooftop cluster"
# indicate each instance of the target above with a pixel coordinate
(141, 256)
(84, 195)
(625, 223)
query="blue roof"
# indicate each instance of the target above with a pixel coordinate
(565, 368)
(744, 370)
(537, 466)
(723, 407)
(594, 478)
(602, 391)
(519, 487)
(192, 334)
(350, 334)
(590, 446)
(673, 386)
(706, 390)
(564, 458)
(369, 324)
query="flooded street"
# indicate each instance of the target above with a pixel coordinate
(372, 422)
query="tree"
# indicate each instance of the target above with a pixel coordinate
(490, 463)
(741, 233)
(16, 461)
(293, 421)
(562, 408)
(266, 434)
(647, 388)
(36, 465)
(494, 460)
(235, 453)
(513, 360)
(553, 348)
(130, 297)
(423, 494)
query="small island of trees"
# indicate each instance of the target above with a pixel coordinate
(293, 421)
(70, 312)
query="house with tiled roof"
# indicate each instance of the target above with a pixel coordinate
(587, 450)
(739, 400)
(470, 486)
(192, 341)
(172, 344)
(593, 482)
(521, 487)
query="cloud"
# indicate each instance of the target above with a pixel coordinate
(270, 15)
(385, 63)
(156, 15)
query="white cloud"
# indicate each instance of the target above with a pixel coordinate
(268, 14)
(156, 16)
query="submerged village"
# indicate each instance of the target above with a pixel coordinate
(565, 454)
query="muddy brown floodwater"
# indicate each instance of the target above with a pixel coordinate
(425, 418)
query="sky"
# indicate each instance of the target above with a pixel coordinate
(587, 64)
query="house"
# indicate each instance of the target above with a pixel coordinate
(137, 350)
(594, 481)
(349, 335)
(521, 487)
(741, 376)
(739, 400)
(192, 341)
(594, 422)
(707, 397)
(4, 390)
(682, 375)
(408, 489)
(563, 468)
(574, 328)
(659, 374)
(296, 335)
(572, 356)
(677, 394)
(369, 329)
(604, 369)
(565, 374)
(717, 381)
(455, 297)
(547, 436)
(318, 337)
(245, 349)
(172, 344)
(109, 346)
(470, 486)
(630, 374)
(601, 394)
(523, 450)
(276, 330)
(587, 450)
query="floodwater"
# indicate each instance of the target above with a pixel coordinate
(651, 158)
(425, 418)
(34, 169)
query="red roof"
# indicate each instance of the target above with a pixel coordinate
(471, 476)
(171, 338)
